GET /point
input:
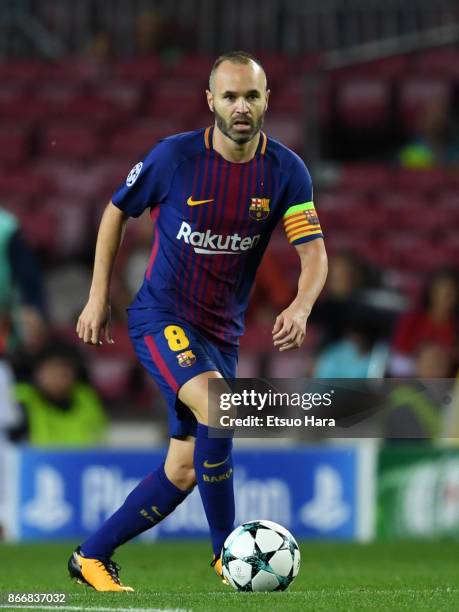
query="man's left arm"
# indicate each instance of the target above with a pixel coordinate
(290, 326)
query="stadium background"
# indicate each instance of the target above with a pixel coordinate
(367, 93)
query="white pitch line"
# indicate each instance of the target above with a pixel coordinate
(97, 609)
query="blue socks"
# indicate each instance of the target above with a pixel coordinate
(151, 501)
(214, 474)
(156, 497)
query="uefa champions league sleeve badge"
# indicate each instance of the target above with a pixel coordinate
(134, 174)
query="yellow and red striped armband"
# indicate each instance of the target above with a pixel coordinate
(301, 221)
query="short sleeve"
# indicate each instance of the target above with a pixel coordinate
(300, 218)
(147, 184)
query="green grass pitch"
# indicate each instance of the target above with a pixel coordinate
(176, 576)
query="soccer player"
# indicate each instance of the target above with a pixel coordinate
(215, 195)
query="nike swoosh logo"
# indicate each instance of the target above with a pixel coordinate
(156, 511)
(192, 202)
(206, 464)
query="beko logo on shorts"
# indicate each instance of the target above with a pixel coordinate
(208, 243)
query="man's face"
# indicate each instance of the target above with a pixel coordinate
(239, 100)
(55, 377)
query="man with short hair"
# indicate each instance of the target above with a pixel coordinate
(216, 195)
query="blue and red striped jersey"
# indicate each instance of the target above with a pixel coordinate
(212, 223)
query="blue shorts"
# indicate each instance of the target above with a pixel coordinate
(173, 352)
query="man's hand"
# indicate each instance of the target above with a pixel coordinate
(290, 328)
(93, 321)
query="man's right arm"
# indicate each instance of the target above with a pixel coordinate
(95, 317)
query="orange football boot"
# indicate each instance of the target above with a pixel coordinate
(216, 563)
(100, 575)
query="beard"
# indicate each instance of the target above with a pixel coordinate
(227, 127)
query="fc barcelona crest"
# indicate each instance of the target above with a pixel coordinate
(259, 208)
(186, 359)
(312, 217)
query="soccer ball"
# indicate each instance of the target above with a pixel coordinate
(260, 556)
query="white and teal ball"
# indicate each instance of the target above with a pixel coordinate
(260, 556)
